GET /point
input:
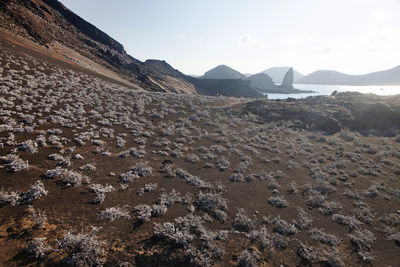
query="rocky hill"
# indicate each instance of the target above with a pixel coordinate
(51, 24)
(225, 87)
(261, 81)
(223, 72)
(330, 77)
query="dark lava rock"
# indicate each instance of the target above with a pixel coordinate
(365, 113)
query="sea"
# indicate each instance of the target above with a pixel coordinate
(328, 89)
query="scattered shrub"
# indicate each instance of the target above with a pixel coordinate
(212, 203)
(83, 249)
(28, 146)
(350, 221)
(39, 219)
(37, 191)
(15, 163)
(304, 220)
(115, 213)
(321, 236)
(37, 249)
(249, 258)
(243, 222)
(278, 202)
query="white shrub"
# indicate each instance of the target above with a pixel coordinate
(115, 213)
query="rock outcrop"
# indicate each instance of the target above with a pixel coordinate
(261, 81)
(288, 79)
(277, 74)
(225, 87)
(366, 113)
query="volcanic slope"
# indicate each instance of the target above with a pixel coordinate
(95, 173)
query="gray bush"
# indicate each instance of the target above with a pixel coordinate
(243, 222)
(212, 203)
(83, 249)
(115, 213)
(278, 202)
(15, 163)
(304, 220)
(321, 236)
(249, 258)
(37, 191)
(350, 221)
(37, 249)
(39, 219)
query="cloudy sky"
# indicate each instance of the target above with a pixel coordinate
(351, 36)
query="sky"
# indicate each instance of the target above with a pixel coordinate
(351, 36)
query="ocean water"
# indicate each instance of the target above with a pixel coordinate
(328, 89)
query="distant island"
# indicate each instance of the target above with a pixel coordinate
(287, 86)
(330, 77)
(277, 74)
(260, 82)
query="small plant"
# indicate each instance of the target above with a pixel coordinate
(37, 191)
(147, 188)
(249, 258)
(115, 213)
(278, 202)
(100, 191)
(237, 177)
(83, 249)
(15, 163)
(243, 222)
(192, 158)
(321, 236)
(68, 177)
(37, 249)
(363, 213)
(144, 212)
(284, 228)
(88, 167)
(191, 179)
(213, 203)
(350, 221)
(223, 163)
(329, 208)
(292, 165)
(170, 198)
(262, 237)
(292, 188)
(8, 197)
(304, 220)
(39, 219)
(141, 169)
(362, 240)
(28, 146)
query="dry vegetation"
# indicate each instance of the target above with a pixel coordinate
(93, 173)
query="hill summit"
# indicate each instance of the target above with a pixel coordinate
(223, 72)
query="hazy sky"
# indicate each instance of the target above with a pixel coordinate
(352, 36)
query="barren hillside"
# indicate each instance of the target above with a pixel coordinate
(95, 173)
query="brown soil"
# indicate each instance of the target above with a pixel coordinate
(43, 85)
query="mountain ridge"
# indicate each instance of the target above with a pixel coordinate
(50, 24)
(332, 77)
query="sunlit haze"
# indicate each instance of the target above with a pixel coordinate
(351, 36)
